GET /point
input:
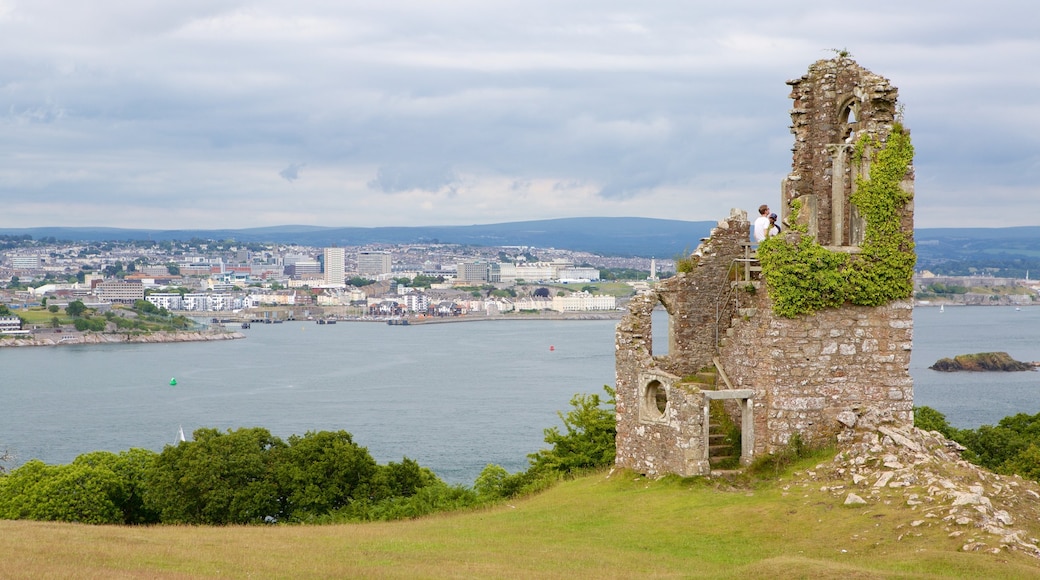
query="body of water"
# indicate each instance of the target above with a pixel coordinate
(454, 397)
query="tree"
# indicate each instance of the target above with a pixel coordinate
(4, 310)
(321, 472)
(145, 306)
(929, 419)
(216, 479)
(541, 293)
(588, 442)
(75, 308)
(53, 308)
(67, 493)
(131, 467)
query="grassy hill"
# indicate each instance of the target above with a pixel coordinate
(618, 525)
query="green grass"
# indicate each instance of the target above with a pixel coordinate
(597, 526)
(42, 316)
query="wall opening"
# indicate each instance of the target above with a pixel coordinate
(655, 400)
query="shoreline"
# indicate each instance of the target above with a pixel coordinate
(161, 337)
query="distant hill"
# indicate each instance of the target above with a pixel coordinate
(1011, 252)
(645, 237)
(953, 251)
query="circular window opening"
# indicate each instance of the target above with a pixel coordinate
(656, 398)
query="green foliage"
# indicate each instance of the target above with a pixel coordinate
(804, 277)
(218, 478)
(321, 472)
(75, 308)
(685, 262)
(145, 307)
(97, 488)
(432, 498)
(1011, 447)
(797, 449)
(89, 324)
(929, 419)
(588, 442)
(358, 281)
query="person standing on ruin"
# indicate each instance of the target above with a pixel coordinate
(774, 228)
(762, 223)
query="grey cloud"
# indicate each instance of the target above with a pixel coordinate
(292, 172)
(197, 100)
(407, 177)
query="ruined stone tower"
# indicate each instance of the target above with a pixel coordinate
(739, 350)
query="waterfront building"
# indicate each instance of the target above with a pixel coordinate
(167, 300)
(416, 301)
(119, 291)
(583, 302)
(10, 323)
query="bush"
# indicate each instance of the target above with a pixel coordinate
(588, 442)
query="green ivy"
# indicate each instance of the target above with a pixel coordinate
(804, 277)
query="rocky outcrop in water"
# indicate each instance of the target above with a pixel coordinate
(983, 361)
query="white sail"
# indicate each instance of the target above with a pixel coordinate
(180, 434)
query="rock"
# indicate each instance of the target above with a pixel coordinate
(853, 499)
(847, 418)
(983, 361)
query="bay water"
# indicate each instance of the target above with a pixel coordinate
(454, 397)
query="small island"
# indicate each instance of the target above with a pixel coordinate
(983, 361)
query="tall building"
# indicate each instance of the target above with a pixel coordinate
(335, 273)
(471, 272)
(373, 263)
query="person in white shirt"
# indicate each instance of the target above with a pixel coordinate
(762, 223)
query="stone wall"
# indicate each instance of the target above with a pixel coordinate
(835, 103)
(807, 371)
(813, 375)
(660, 416)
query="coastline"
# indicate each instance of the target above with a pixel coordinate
(612, 315)
(107, 338)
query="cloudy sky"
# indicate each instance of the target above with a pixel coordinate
(241, 113)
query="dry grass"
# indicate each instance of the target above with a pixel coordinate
(621, 526)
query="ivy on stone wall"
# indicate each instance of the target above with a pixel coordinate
(804, 276)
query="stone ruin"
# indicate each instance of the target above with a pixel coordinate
(734, 364)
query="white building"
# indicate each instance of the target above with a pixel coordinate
(335, 271)
(583, 302)
(167, 300)
(416, 301)
(10, 323)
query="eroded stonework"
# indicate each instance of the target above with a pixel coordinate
(814, 376)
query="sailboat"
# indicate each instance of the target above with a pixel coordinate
(942, 308)
(180, 434)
